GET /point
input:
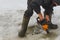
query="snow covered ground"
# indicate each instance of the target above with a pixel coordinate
(11, 14)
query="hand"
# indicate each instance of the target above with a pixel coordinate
(47, 18)
(40, 16)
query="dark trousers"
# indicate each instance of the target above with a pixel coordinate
(32, 5)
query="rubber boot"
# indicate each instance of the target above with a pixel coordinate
(52, 26)
(24, 26)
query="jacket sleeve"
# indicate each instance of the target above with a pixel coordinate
(35, 5)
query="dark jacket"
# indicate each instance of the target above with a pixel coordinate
(35, 5)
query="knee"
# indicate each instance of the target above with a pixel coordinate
(28, 13)
(48, 12)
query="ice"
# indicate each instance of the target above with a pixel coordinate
(11, 15)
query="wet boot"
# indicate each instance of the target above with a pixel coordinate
(24, 26)
(52, 26)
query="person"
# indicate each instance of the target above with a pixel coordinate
(35, 5)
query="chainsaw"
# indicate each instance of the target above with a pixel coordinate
(44, 25)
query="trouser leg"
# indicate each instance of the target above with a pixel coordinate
(28, 13)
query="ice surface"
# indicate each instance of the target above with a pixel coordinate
(11, 15)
